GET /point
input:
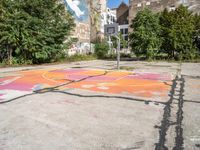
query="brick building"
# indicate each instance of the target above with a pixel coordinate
(122, 14)
(159, 5)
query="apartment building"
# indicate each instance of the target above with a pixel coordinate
(89, 22)
(122, 13)
(159, 5)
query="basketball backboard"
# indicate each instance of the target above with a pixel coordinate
(111, 29)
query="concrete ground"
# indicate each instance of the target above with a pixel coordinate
(90, 105)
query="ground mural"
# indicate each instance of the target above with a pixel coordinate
(147, 85)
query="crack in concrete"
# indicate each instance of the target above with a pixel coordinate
(191, 101)
(167, 122)
(71, 82)
(45, 90)
(191, 77)
(104, 96)
(179, 141)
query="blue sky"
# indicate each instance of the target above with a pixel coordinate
(115, 3)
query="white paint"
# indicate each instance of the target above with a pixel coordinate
(9, 81)
(88, 86)
(10, 94)
(103, 88)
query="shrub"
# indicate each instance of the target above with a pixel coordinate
(101, 49)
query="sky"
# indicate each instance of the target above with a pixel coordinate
(115, 3)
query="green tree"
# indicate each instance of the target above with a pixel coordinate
(123, 42)
(197, 31)
(166, 22)
(101, 49)
(145, 39)
(177, 33)
(34, 31)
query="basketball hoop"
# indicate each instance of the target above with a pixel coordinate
(111, 29)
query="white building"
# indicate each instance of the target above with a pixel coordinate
(124, 31)
(111, 16)
(108, 17)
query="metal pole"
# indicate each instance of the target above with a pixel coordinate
(118, 54)
(109, 39)
(90, 24)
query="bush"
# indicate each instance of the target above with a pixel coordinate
(80, 57)
(101, 49)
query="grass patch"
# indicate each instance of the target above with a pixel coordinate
(78, 57)
(68, 59)
(128, 68)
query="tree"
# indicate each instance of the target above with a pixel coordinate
(177, 33)
(101, 49)
(166, 22)
(197, 31)
(34, 31)
(145, 39)
(123, 42)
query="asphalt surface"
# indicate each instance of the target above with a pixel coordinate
(90, 105)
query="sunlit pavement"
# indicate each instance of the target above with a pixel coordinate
(90, 105)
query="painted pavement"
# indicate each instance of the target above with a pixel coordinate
(146, 85)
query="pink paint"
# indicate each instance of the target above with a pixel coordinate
(76, 76)
(80, 76)
(0, 97)
(70, 71)
(150, 76)
(17, 86)
(102, 78)
(5, 78)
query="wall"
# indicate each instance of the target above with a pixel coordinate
(122, 14)
(80, 10)
(97, 10)
(159, 5)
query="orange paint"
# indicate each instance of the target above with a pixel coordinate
(114, 82)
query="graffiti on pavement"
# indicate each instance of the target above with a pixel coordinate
(148, 85)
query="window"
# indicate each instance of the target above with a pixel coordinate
(126, 38)
(172, 8)
(126, 31)
(121, 30)
(139, 5)
(148, 3)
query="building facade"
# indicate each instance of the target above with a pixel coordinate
(107, 17)
(111, 16)
(89, 22)
(159, 5)
(122, 13)
(80, 10)
(97, 12)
